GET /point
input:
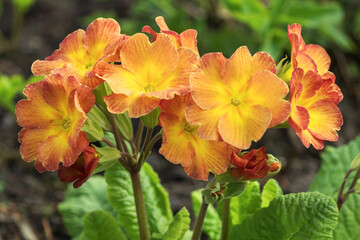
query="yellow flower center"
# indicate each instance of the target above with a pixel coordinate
(188, 128)
(150, 87)
(66, 123)
(235, 101)
(89, 65)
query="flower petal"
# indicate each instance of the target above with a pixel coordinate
(239, 126)
(120, 79)
(188, 39)
(325, 119)
(320, 57)
(266, 89)
(56, 149)
(207, 88)
(137, 104)
(206, 119)
(235, 71)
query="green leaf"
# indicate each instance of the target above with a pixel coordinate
(152, 119)
(335, 163)
(22, 6)
(179, 225)
(245, 204)
(349, 220)
(212, 222)
(78, 202)
(99, 225)
(107, 154)
(334, 166)
(293, 216)
(121, 198)
(270, 191)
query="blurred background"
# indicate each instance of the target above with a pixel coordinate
(33, 29)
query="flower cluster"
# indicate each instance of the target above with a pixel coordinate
(212, 107)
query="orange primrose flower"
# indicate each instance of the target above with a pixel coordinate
(148, 73)
(81, 50)
(237, 99)
(51, 118)
(314, 113)
(308, 57)
(252, 165)
(184, 39)
(81, 170)
(181, 143)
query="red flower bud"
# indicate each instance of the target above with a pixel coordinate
(82, 168)
(252, 165)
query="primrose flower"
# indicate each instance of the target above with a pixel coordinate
(314, 113)
(308, 57)
(237, 99)
(51, 118)
(148, 73)
(81, 170)
(184, 39)
(252, 165)
(181, 144)
(80, 51)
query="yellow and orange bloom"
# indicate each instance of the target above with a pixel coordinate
(51, 118)
(81, 170)
(81, 50)
(184, 39)
(310, 57)
(182, 145)
(237, 99)
(314, 113)
(148, 73)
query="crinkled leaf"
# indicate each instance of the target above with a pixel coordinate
(179, 225)
(99, 225)
(335, 163)
(78, 202)
(270, 191)
(121, 197)
(349, 220)
(212, 222)
(294, 216)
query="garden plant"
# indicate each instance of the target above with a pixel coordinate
(106, 98)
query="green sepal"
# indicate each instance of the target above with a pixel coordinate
(284, 71)
(152, 119)
(355, 164)
(226, 177)
(107, 154)
(93, 130)
(124, 124)
(100, 92)
(234, 189)
(273, 159)
(100, 118)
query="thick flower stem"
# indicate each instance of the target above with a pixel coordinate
(200, 220)
(140, 206)
(225, 219)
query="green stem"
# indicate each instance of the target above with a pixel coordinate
(118, 141)
(340, 198)
(225, 219)
(351, 188)
(149, 132)
(107, 141)
(200, 220)
(139, 135)
(146, 151)
(140, 206)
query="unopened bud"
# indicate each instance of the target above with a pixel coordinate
(355, 164)
(274, 165)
